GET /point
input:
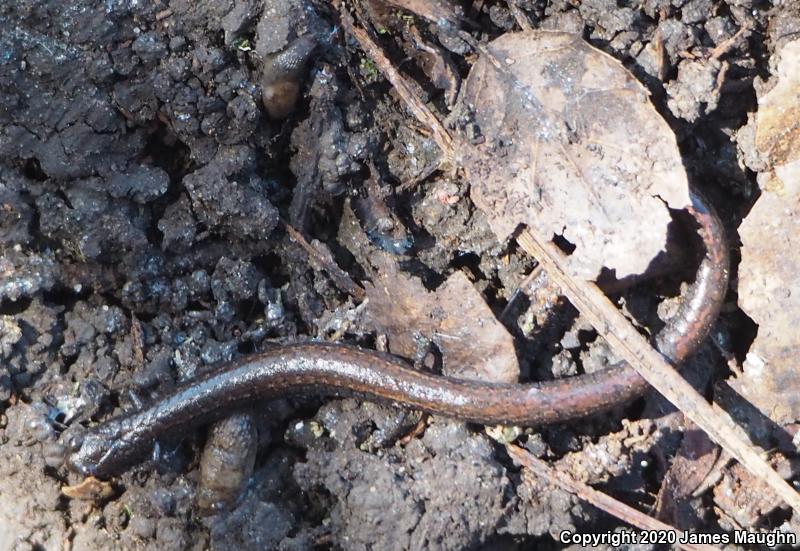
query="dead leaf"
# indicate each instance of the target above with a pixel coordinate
(574, 147)
(778, 120)
(89, 489)
(455, 317)
(769, 275)
(438, 66)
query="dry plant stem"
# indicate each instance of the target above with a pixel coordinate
(435, 12)
(414, 103)
(731, 42)
(339, 276)
(520, 17)
(612, 325)
(521, 289)
(600, 500)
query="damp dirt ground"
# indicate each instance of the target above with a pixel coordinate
(144, 193)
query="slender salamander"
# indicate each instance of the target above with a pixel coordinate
(344, 370)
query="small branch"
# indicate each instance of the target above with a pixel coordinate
(341, 278)
(728, 44)
(406, 92)
(519, 16)
(600, 500)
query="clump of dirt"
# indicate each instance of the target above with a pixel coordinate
(144, 198)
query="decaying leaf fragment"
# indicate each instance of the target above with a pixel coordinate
(573, 146)
(778, 120)
(89, 489)
(455, 317)
(694, 462)
(769, 275)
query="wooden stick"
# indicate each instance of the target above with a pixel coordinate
(600, 500)
(341, 278)
(730, 43)
(414, 104)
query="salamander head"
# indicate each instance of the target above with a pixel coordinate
(99, 452)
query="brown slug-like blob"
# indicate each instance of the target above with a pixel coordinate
(282, 77)
(227, 462)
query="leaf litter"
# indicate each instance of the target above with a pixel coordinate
(769, 275)
(454, 317)
(523, 15)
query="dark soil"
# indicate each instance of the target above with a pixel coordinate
(142, 188)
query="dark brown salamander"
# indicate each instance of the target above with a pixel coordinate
(343, 370)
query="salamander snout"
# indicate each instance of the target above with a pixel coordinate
(88, 452)
(77, 457)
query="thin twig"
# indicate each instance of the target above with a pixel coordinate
(414, 181)
(521, 289)
(406, 92)
(600, 500)
(341, 278)
(519, 16)
(729, 43)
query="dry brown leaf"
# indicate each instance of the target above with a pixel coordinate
(573, 146)
(438, 66)
(89, 489)
(769, 275)
(778, 120)
(455, 317)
